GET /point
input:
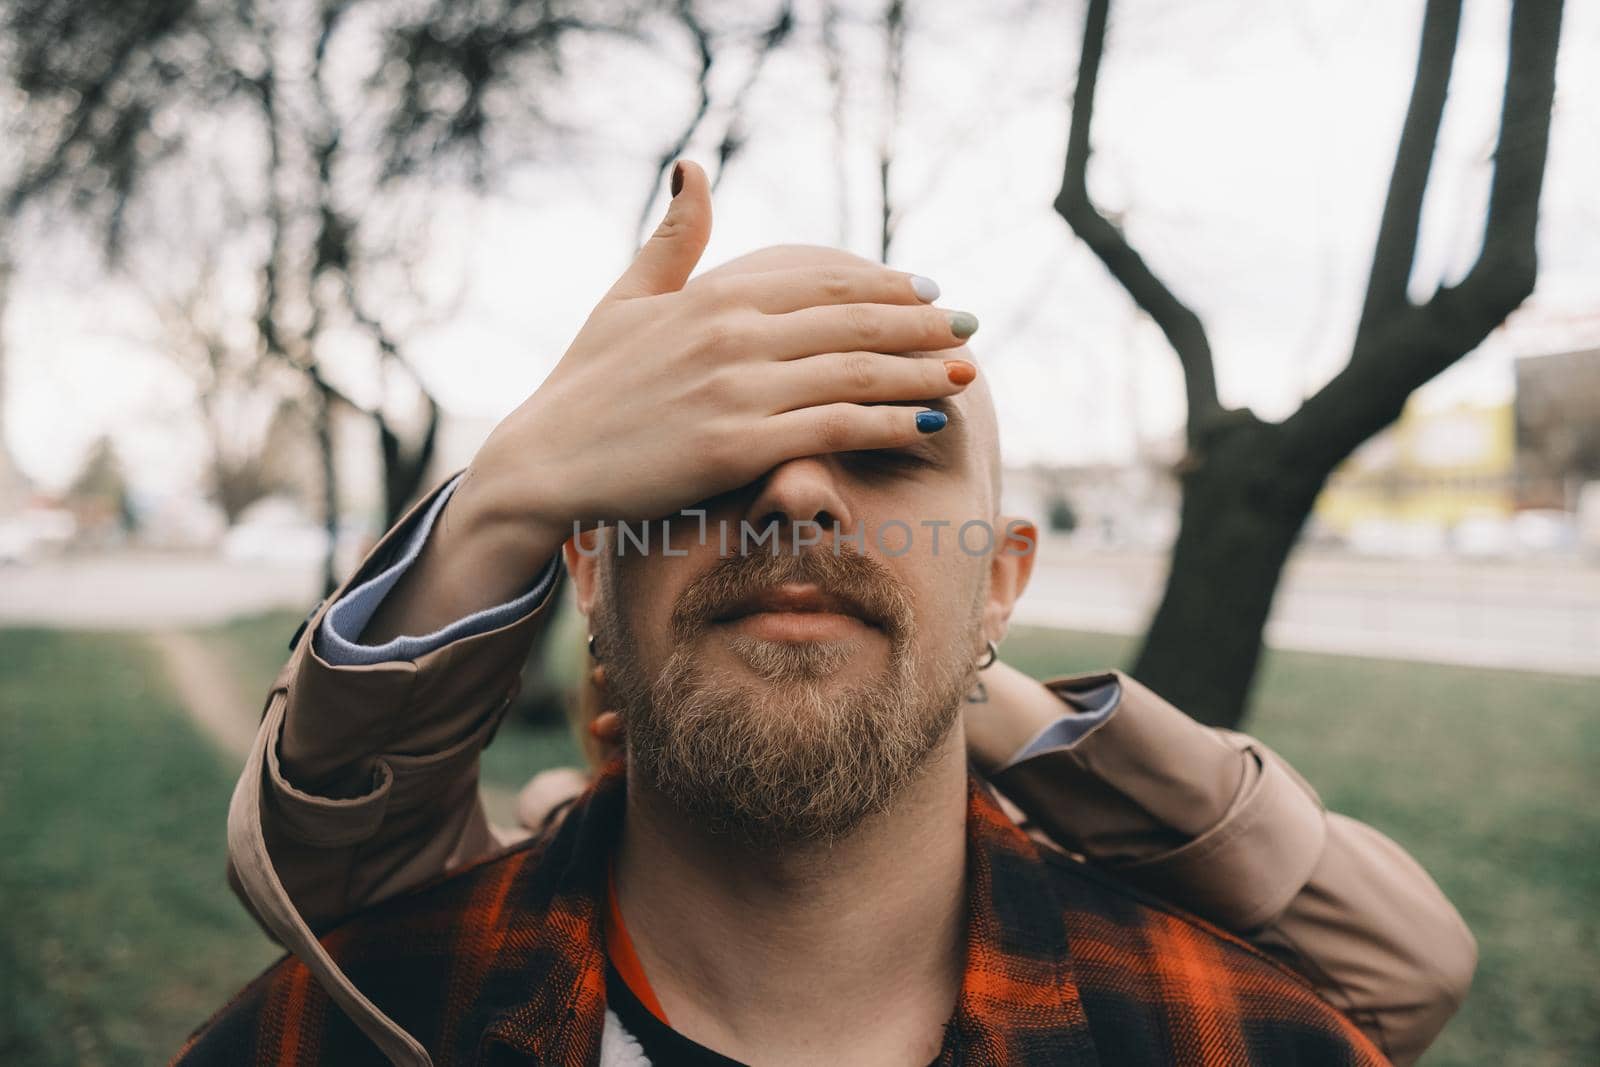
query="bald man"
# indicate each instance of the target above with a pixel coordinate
(776, 491)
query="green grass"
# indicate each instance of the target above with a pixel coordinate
(1488, 778)
(118, 934)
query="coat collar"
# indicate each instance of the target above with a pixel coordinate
(1017, 977)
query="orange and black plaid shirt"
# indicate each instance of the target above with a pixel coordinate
(504, 963)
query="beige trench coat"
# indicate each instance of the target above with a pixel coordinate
(363, 782)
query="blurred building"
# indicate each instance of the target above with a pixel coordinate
(1428, 472)
(1101, 505)
(1488, 479)
(1557, 428)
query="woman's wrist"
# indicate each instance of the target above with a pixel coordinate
(473, 558)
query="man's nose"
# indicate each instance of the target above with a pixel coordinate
(800, 491)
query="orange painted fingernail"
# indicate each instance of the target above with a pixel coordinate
(961, 372)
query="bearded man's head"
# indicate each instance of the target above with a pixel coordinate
(770, 736)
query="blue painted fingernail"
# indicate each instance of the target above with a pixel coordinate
(931, 421)
(927, 289)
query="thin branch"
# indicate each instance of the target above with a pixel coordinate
(733, 138)
(1411, 345)
(838, 84)
(702, 40)
(1396, 247)
(894, 22)
(733, 135)
(1504, 273)
(1181, 326)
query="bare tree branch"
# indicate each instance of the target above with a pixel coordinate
(733, 136)
(838, 84)
(1401, 346)
(1396, 247)
(1181, 326)
(894, 24)
(1505, 271)
(703, 45)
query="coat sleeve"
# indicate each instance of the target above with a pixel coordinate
(369, 771)
(1216, 822)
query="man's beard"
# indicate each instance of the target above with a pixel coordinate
(795, 756)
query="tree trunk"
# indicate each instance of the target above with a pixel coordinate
(1241, 514)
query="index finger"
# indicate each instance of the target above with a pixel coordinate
(777, 292)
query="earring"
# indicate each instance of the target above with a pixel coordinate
(993, 654)
(594, 652)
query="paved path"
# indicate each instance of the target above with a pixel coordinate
(1532, 614)
(209, 692)
(148, 590)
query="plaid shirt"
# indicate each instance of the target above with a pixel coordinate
(504, 963)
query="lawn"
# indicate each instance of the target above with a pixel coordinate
(119, 934)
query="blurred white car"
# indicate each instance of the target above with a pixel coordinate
(274, 530)
(31, 533)
(16, 543)
(1397, 538)
(1483, 537)
(1539, 530)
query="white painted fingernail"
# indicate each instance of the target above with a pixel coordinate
(927, 289)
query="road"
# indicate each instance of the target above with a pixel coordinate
(1532, 615)
(149, 590)
(1537, 615)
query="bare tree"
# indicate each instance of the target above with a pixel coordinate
(110, 88)
(1248, 485)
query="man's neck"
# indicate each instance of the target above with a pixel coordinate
(847, 953)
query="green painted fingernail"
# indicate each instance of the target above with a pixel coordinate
(963, 323)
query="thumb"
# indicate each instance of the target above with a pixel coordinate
(667, 259)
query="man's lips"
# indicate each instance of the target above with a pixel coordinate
(796, 599)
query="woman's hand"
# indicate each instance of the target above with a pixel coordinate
(673, 393)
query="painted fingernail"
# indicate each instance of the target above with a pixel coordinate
(961, 372)
(927, 289)
(677, 178)
(963, 323)
(931, 421)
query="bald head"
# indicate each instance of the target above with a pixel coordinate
(975, 404)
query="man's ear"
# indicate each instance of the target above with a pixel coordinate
(1016, 543)
(582, 553)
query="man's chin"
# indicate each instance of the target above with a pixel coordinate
(825, 655)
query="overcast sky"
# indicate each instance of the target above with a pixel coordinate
(1247, 146)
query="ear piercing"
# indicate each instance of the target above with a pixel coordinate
(992, 655)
